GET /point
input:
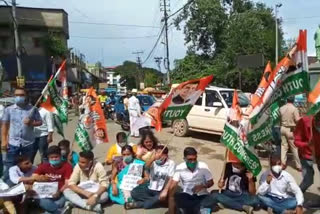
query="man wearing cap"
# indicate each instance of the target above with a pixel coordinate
(134, 112)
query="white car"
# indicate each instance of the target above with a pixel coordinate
(209, 114)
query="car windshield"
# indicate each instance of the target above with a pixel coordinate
(146, 100)
(228, 96)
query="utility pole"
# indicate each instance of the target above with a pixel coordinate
(165, 9)
(158, 61)
(137, 53)
(17, 41)
(276, 16)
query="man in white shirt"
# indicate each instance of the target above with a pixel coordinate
(161, 173)
(43, 134)
(195, 179)
(134, 112)
(276, 188)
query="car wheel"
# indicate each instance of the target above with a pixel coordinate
(180, 127)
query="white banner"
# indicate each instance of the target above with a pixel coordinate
(45, 189)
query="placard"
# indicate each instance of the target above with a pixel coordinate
(89, 186)
(45, 189)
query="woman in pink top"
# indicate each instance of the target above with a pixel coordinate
(146, 146)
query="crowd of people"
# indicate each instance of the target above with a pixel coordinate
(144, 175)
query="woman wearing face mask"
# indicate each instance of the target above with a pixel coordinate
(66, 155)
(276, 189)
(146, 148)
(114, 152)
(120, 189)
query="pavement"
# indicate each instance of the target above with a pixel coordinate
(210, 151)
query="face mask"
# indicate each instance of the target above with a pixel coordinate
(191, 165)
(235, 170)
(277, 169)
(20, 100)
(128, 159)
(160, 161)
(63, 152)
(122, 144)
(54, 162)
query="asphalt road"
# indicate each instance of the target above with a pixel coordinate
(209, 150)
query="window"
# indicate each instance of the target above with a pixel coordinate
(228, 97)
(199, 101)
(36, 42)
(211, 97)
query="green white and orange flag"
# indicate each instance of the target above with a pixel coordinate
(235, 112)
(314, 99)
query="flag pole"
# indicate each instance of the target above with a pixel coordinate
(224, 167)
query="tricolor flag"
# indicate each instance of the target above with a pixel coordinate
(235, 112)
(92, 128)
(314, 99)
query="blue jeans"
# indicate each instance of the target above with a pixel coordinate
(307, 174)
(41, 144)
(51, 205)
(12, 153)
(278, 206)
(236, 201)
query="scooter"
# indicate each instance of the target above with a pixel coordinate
(109, 112)
(124, 120)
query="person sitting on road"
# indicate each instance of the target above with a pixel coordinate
(88, 184)
(54, 171)
(195, 179)
(66, 155)
(128, 166)
(276, 188)
(147, 145)
(161, 173)
(115, 150)
(6, 204)
(240, 190)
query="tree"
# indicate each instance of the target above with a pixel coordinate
(217, 32)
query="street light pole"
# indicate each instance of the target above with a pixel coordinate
(276, 19)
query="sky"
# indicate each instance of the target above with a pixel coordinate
(113, 46)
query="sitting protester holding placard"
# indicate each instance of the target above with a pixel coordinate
(126, 175)
(88, 184)
(66, 154)
(161, 172)
(114, 152)
(5, 203)
(53, 177)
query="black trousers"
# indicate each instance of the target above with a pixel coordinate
(189, 203)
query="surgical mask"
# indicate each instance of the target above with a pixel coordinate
(64, 152)
(128, 159)
(277, 169)
(122, 144)
(191, 165)
(160, 161)
(55, 162)
(20, 100)
(235, 170)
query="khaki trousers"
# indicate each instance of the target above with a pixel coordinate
(287, 140)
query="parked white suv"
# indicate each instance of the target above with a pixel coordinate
(209, 114)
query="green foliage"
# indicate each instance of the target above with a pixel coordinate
(55, 46)
(217, 32)
(133, 75)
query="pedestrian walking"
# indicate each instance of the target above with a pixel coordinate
(18, 124)
(134, 112)
(289, 116)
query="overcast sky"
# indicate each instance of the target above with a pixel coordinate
(296, 14)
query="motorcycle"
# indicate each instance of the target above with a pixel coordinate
(124, 120)
(109, 112)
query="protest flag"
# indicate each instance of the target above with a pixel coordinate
(92, 128)
(176, 106)
(314, 99)
(235, 113)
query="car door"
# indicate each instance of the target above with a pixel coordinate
(194, 117)
(213, 114)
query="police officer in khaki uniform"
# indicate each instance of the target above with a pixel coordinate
(289, 115)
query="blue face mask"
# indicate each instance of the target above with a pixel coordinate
(55, 162)
(19, 100)
(128, 159)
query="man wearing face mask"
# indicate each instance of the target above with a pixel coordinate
(53, 171)
(17, 132)
(195, 178)
(114, 152)
(276, 189)
(88, 184)
(160, 175)
(66, 155)
(240, 190)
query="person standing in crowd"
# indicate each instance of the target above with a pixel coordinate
(17, 132)
(134, 112)
(276, 189)
(88, 170)
(304, 139)
(147, 146)
(126, 102)
(195, 178)
(114, 151)
(160, 174)
(43, 134)
(289, 116)
(54, 171)
(103, 97)
(66, 154)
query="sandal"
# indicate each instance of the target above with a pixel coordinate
(130, 205)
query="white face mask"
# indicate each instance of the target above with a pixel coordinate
(235, 170)
(277, 169)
